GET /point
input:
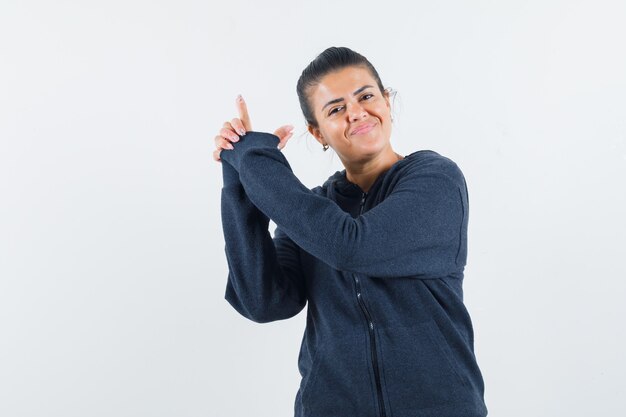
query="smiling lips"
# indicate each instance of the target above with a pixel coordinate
(363, 128)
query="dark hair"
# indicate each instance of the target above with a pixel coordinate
(331, 60)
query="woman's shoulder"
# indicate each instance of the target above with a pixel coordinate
(428, 157)
(427, 162)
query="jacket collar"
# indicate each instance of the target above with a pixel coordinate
(340, 184)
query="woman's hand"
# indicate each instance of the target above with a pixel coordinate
(231, 131)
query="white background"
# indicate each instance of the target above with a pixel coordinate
(112, 264)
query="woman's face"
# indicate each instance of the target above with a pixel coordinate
(353, 117)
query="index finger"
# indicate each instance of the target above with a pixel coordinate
(243, 113)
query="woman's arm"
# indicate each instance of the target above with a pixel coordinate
(265, 281)
(418, 230)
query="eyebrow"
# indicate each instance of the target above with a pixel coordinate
(337, 100)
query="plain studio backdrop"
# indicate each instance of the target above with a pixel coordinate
(112, 261)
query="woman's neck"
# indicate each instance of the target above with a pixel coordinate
(364, 175)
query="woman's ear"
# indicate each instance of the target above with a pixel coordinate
(386, 94)
(316, 134)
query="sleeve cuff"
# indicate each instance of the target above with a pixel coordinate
(230, 175)
(251, 140)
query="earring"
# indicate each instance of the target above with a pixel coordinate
(325, 147)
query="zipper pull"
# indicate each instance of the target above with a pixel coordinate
(362, 202)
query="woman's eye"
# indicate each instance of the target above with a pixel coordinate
(333, 110)
(365, 97)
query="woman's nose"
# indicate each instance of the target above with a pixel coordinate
(356, 111)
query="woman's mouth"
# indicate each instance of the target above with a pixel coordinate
(363, 129)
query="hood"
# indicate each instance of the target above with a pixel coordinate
(338, 182)
(349, 195)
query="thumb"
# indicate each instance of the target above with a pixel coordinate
(284, 131)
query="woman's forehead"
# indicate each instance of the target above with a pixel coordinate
(345, 79)
(342, 83)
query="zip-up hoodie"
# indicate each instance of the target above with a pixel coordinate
(387, 333)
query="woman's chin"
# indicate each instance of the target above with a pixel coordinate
(371, 148)
(373, 143)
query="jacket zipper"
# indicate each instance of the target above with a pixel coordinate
(362, 203)
(368, 317)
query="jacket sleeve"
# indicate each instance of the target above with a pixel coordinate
(417, 230)
(265, 280)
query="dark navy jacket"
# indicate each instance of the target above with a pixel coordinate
(387, 332)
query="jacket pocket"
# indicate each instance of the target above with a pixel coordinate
(339, 383)
(419, 369)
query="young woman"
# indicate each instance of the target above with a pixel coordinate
(378, 253)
